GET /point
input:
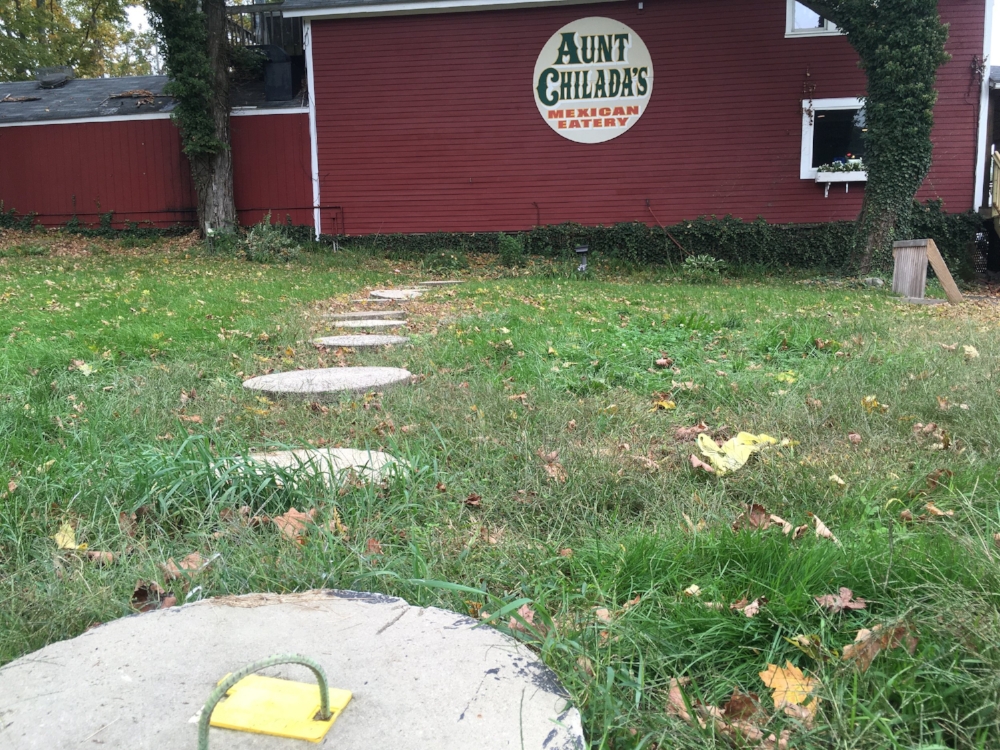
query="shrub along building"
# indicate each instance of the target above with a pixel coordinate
(483, 115)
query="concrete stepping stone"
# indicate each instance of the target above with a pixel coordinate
(334, 465)
(448, 282)
(318, 383)
(396, 294)
(361, 340)
(421, 678)
(368, 315)
(369, 323)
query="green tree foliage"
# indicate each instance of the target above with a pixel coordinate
(92, 36)
(901, 46)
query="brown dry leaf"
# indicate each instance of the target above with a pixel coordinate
(603, 614)
(870, 643)
(692, 526)
(186, 568)
(374, 547)
(949, 347)
(906, 516)
(786, 527)
(664, 362)
(556, 471)
(943, 403)
(750, 609)
(473, 500)
(194, 418)
(822, 530)
(100, 558)
(854, 437)
(690, 433)
(996, 540)
(789, 686)
(127, 523)
(586, 665)
(676, 705)
(631, 603)
(693, 590)
(697, 463)
(11, 485)
(839, 602)
(934, 478)
(800, 531)
(813, 403)
(936, 511)
(571, 425)
(528, 615)
(293, 524)
(741, 706)
(491, 537)
(754, 518)
(149, 596)
(522, 397)
(441, 487)
(565, 552)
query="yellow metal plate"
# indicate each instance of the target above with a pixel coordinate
(268, 705)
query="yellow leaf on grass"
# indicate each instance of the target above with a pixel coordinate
(733, 453)
(664, 406)
(66, 538)
(789, 686)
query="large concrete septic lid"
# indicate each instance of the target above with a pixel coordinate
(361, 340)
(333, 464)
(308, 383)
(422, 678)
(396, 293)
(369, 323)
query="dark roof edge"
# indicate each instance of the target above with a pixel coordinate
(318, 9)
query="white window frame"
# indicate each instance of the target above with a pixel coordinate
(809, 107)
(830, 29)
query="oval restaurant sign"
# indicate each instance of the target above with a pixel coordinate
(593, 80)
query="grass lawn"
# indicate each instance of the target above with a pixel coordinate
(550, 490)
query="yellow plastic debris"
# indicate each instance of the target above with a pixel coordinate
(283, 708)
(733, 453)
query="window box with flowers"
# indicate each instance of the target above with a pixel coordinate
(847, 171)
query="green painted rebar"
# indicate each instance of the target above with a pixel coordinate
(224, 686)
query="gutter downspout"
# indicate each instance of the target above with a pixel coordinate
(313, 137)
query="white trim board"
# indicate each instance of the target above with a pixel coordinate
(982, 141)
(150, 116)
(433, 6)
(313, 137)
(809, 106)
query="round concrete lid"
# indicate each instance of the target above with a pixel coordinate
(396, 293)
(361, 340)
(307, 383)
(369, 323)
(333, 464)
(449, 282)
(422, 678)
(368, 315)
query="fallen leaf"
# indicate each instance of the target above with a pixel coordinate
(337, 526)
(943, 403)
(800, 531)
(970, 352)
(690, 433)
(692, 526)
(733, 453)
(936, 511)
(565, 552)
(186, 568)
(872, 405)
(664, 406)
(949, 347)
(149, 596)
(374, 547)
(822, 530)
(441, 487)
(756, 517)
(571, 425)
(193, 418)
(786, 377)
(66, 538)
(837, 480)
(697, 463)
(127, 524)
(789, 686)
(839, 602)
(741, 706)
(664, 362)
(100, 558)
(870, 643)
(526, 613)
(491, 537)
(749, 609)
(11, 486)
(934, 478)
(603, 614)
(473, 500)
(293, 524)
(854, 438)
(786, 527)
(693, 590)
(552, 467)
(996, 540)
(813, 403)
(585, 664)
(676, 705)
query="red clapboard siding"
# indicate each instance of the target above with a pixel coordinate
(134, 168)
(271, 170)
(428, 122)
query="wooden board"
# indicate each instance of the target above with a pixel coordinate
(909, 273)
(943, 274)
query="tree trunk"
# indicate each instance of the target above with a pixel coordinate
(213, 174)
(876, 232)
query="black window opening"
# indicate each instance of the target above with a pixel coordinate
(838, 135)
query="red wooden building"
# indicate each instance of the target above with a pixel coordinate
(476, 115)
